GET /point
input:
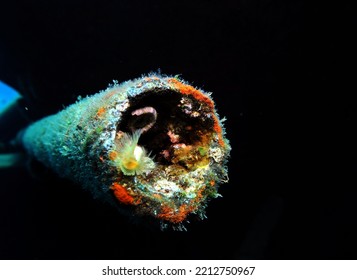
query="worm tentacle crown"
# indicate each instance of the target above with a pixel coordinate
(129, 157)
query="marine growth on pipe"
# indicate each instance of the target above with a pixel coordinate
(154, 146)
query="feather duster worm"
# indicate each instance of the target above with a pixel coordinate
(154, 146)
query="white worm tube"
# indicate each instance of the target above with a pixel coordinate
(146, 110)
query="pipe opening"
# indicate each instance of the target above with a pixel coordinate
(176, 129)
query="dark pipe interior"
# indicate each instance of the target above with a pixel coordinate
(170, 117)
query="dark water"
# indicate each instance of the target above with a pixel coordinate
(277, 71)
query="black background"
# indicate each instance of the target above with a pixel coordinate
(279, 71)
